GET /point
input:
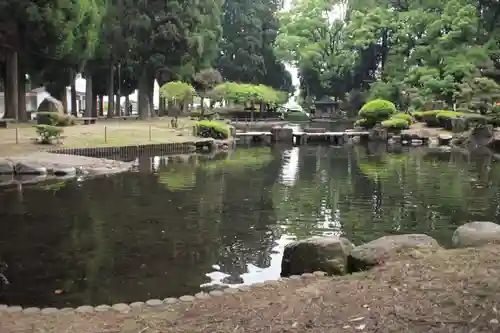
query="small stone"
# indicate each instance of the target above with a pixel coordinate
(31, 310)
(202, 296)
(137, 305)
(216, 293)
(102, 308)
(67, 310)
(48, 311)
(121, 307)
(295, 277)
(84, 309)
(257, 285)
(170, 300)
(154, 302)
(231, 290)
(307, 275)
(244, 288)
(494, 321)
(187, 298)
(360, 327)
(319, 273)
(3, 307)
(14, 309)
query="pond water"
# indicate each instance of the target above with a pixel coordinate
(173, 227)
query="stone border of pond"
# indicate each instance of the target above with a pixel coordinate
(155, 303)
(156, 148)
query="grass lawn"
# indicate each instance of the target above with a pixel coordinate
(105, 133)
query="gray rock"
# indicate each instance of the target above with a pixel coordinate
(121, 307)
(6, 167)
(327, 254)
(50, 104)
(84, 309)
(444, 139)
(48, 311)
(476, 234)
(30, 168)
(383, 249)
(63, 171)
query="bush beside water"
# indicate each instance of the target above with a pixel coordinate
(212, 129)
(374, 112)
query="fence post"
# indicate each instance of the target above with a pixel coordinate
(105, 134)
(17, 135)
(149, 132)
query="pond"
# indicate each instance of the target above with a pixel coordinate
(175, 227)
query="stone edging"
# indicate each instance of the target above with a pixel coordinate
(134, 150)
(153, 303)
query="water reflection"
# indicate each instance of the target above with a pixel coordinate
(182, 223)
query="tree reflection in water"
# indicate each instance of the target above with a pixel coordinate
(180, 223)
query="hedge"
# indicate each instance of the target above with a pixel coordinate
(212, 129)
(396, 124)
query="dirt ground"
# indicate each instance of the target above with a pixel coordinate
(104, 133)
(450, 291)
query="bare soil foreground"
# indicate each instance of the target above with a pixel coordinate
(105, 133)
(449, 291)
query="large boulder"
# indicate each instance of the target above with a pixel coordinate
(326, 253)
(6, 166)
(50, 104)
(476, 234)
(385, 248)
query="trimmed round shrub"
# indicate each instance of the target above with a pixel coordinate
(212, 129)
(404, 116)
(364, 123)
(378, 110)
(397, 124)
(47, 133)
(430, 119)
(418, 115)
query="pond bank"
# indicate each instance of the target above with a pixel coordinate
(448, 291)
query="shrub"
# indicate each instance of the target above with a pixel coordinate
(377, 110)
(296, 116)
(418, 115)
(47, 133)
(212, 129)
(54, 119)
(404, 116)
(396, 124)
(364, 123)
(430, 119)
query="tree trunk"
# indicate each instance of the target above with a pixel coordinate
(151, 88)
(63, 96)
(101, 106)
(94, 105)
(143, 103)
(162, 112)
(111, 91)
(74, 107)
(21, 101)
(127, 106)
(117, 105)
(88, 96)
(11, 88)
(202, 107)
